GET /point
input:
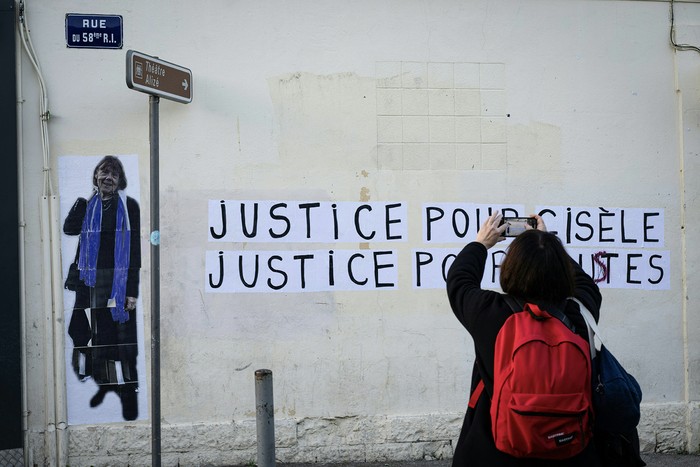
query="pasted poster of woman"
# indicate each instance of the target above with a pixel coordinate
(104, 321)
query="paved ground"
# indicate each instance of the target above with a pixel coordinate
(652, 460)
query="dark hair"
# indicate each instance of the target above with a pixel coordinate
(537, 267)
(113, 163)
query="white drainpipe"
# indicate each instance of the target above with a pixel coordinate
(56, 442)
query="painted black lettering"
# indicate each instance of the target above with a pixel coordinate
(331, 271)
(648, 227)
(364, 207)
(307, 207)
(445, 267)
(278, 271)
(378, 266)
(580, 223)
(430, 219)
(350, 274)
(221, 273)
(622, 229)
(631, 268)
(658, 268)
(465, 222)
(279, 217)
(302, 267)
(255, 221)
(420, 263)
(607, 257)
(602, 228)
(223, 223)
(543, 212)
(478, 216)
(390, 220)
(255, 273)
(335, 221)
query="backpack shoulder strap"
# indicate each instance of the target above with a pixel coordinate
(558, 314)
(513, 303)
(593, 330)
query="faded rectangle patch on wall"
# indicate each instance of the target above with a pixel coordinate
(435, 115)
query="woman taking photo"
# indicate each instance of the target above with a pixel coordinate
(537, 270)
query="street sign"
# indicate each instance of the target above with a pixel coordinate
(94, 31)
(158, 77)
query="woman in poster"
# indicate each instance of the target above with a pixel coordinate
(105, 278)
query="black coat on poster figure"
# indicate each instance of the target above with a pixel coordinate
(104, 341)
(482, 313)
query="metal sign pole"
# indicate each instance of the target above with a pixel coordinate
(158, 78)
(155, 283)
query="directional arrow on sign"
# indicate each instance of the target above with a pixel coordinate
(154, 76)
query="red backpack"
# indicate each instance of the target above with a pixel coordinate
(542, 405)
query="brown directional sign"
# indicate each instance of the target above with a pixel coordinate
(158, 77)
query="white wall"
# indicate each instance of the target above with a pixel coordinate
(592, 105)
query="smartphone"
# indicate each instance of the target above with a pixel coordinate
(517, 225)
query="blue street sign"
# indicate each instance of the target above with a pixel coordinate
(94, 31)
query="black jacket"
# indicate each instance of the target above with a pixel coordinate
(482, 313)
(73, 225)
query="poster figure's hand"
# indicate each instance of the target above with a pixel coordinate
(130, 303)
(490, 232)
(540, 222)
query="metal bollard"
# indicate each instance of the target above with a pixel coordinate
(265, 418)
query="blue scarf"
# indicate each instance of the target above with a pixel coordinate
(90, 247)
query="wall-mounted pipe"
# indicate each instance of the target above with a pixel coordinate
(27, 454)
(50, 400)
(55, 439)
(58, 334)
(683, 256)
